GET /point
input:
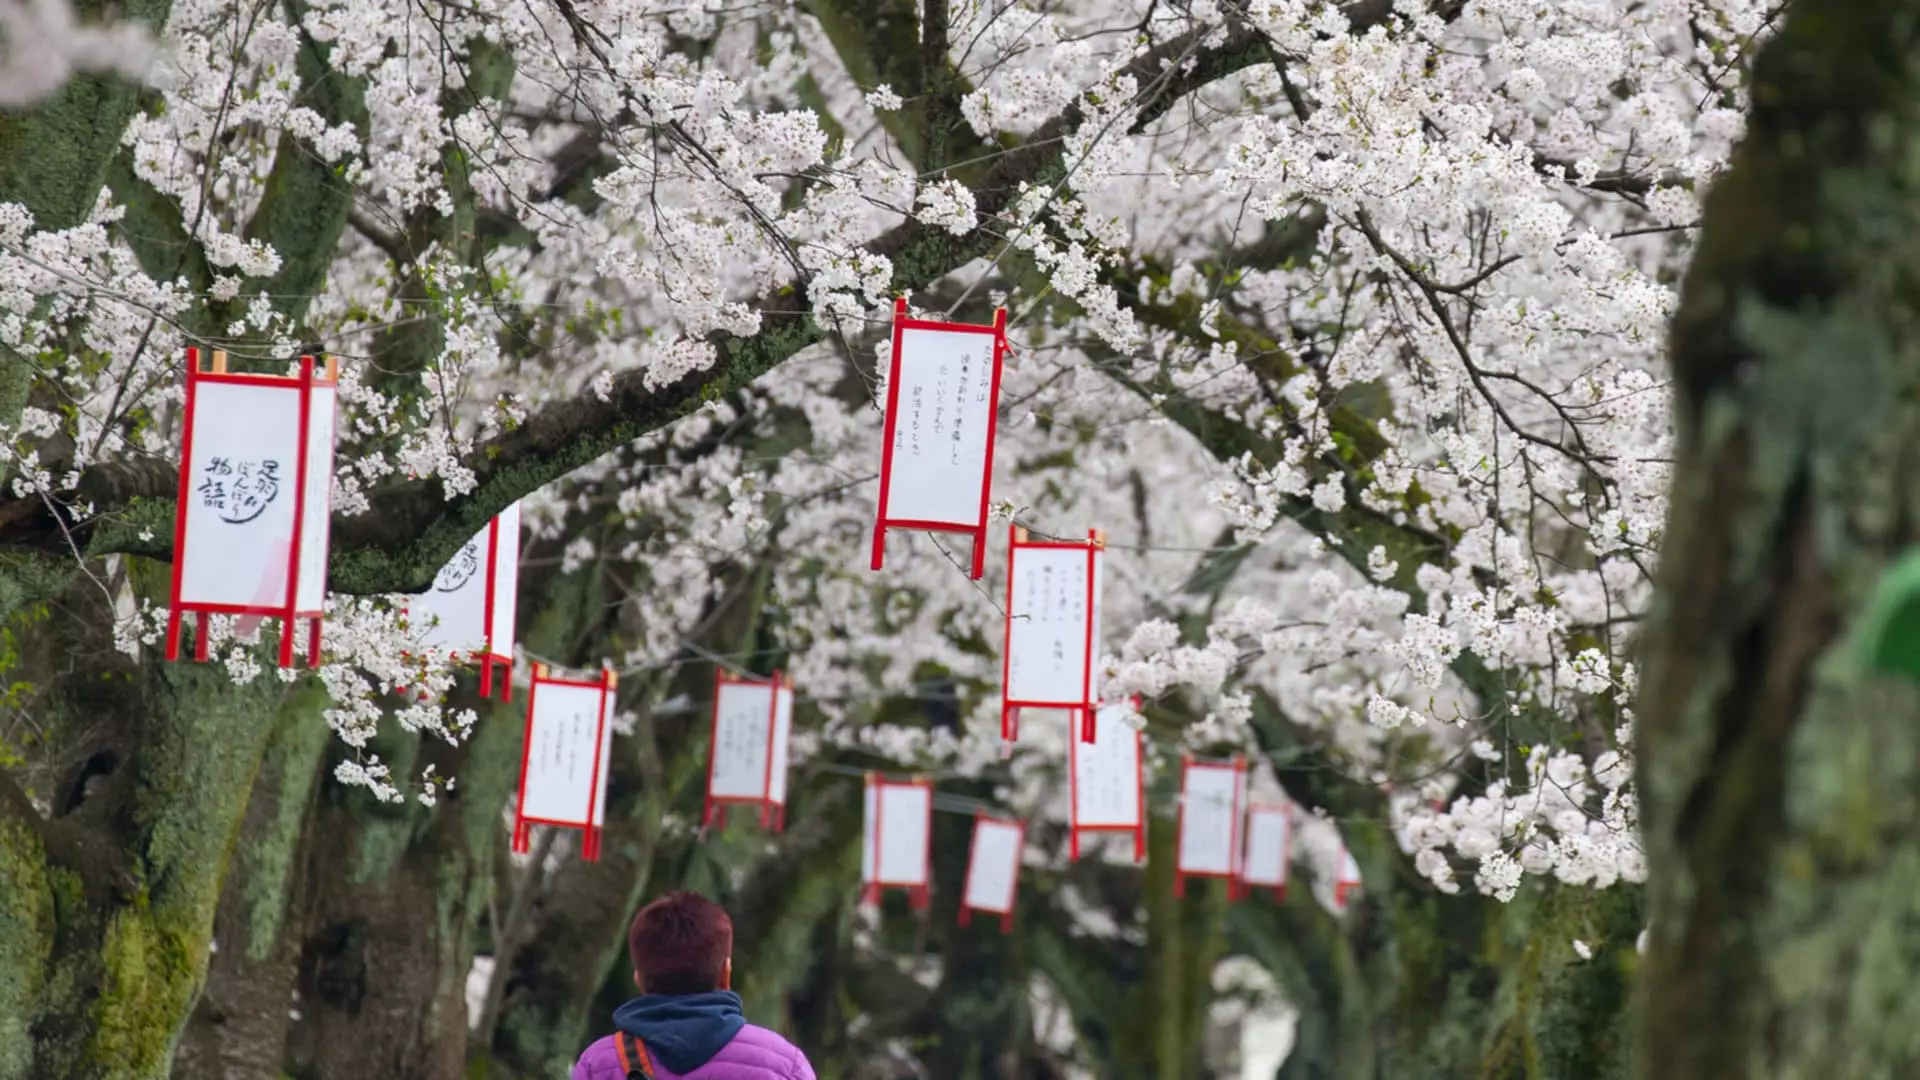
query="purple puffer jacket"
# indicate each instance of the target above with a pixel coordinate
(753, 1054)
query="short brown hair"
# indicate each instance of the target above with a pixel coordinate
(680, 944)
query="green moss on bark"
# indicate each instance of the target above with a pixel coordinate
(1778, 780)
(151, 963)
(131, 886)
(291, 769)
(26, 941)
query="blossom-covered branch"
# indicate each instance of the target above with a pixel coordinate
(403, 539)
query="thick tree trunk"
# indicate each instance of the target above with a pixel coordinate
(347, 927)
(239, 1029)
(393, 898)
(106, 908)
(1778, 773)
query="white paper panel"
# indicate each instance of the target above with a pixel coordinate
(903, 820)
(1106, 772)
(940, 432)
(1206, 820)
(870, 822)
(993, 869)
(506, 580)
(457, 599)
(560, 778)
(782, 735)
(1093, 654)
(1349, 869)
(240, 512)
(1047, 634)
(317, 513)
(1267, 839)
(741, 716)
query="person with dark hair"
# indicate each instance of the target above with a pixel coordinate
(687, 1022)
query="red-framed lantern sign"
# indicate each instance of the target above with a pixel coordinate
(1212, 804)
(1051, 658)
(1269, 848)
(255, 500)
(1107, 780)
(896, 850)
(747, 755)
(472, 606)
(993, 869)
(563, 765)
(936, 456)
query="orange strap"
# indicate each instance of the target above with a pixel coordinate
(633, 1056)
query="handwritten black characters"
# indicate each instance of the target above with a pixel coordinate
(457, 573)
(239, 491)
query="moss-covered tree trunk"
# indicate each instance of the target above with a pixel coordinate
(238, 1030)
(109, 876)
(1779, 773)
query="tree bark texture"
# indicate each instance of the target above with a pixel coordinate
(1779, 775)
(393, 898)
(107, 907)
(238, 1031)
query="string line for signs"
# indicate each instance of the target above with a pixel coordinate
(675, 707)
(930, 774)
(967, 573)
(1038, 533)
(715, 658)
(952, 803)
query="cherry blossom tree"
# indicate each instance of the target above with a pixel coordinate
(1345, 322)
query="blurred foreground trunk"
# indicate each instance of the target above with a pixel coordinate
(1778, 773)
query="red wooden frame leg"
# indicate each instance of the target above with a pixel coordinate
(201, 639)
(313, 643)
(173, 633)
(286, 640)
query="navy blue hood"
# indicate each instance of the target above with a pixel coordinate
(684, 1031)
